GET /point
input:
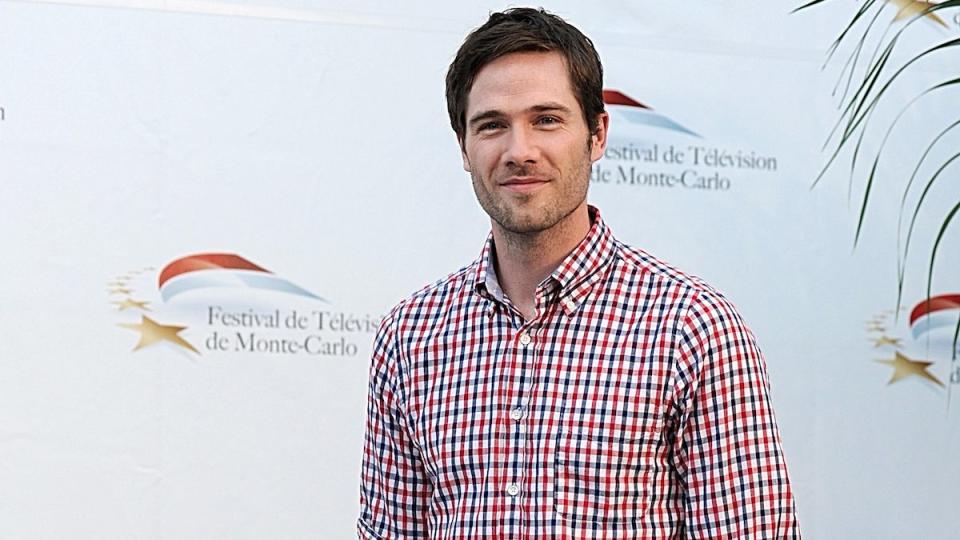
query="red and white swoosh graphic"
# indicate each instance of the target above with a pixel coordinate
(634, 112)
(937, 312)
(206, 270)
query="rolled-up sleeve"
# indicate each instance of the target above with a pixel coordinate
(394, 488)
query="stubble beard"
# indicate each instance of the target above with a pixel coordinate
(518, 215)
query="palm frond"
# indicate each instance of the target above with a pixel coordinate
(923, 196)
(808, 4)
(876, 160)
(936, 246)
(901, 259)
(836, 42)
(856, 111)
(854, 58)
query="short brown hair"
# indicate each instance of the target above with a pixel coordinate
(521, 30)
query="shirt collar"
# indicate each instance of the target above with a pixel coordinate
(575, 276)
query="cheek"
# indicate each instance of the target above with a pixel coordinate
(480, 158)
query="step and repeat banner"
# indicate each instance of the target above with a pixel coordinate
(207, 207)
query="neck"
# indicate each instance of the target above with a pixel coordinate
(526, 259)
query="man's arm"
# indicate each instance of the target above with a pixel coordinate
(394, 489)
(729, 451)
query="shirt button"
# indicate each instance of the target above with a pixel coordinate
(513, 490)
(516, 414)
(524, 339)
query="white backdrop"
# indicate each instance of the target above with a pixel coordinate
(310, 139)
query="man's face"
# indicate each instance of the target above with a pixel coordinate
(526, 145)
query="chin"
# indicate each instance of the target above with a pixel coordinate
(526, 224)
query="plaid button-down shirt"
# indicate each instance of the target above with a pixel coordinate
(633, 406)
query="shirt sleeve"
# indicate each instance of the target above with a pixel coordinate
(729, 454)
(394, 488)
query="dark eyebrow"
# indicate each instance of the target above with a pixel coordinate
(485, 115)
(539, 108)
(550, 106)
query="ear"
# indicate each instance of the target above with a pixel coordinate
(599, 138)
(463, 155)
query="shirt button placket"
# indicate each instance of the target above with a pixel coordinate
(524, 366)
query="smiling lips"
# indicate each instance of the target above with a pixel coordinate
(523, 184)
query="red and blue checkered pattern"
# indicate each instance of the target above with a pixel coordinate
(634, 406)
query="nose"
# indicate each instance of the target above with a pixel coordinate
(521, 148)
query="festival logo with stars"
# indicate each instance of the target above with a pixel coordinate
(218, 303)
(648, 149)
(920, 345)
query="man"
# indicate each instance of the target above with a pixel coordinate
(564, 385)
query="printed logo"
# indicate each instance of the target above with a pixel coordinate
(220, 270)
(649, 149)
(908, 9)
(212, 303)
(632, 113)
(921, 345)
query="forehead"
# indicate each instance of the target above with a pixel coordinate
(520, 80)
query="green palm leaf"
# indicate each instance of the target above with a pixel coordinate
(854, 121)
(808, 4)
(854, 111)
(901, 260)
(933, 258)
(883, 143)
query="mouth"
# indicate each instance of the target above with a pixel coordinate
(524, 184)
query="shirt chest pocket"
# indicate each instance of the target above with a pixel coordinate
(602, 479)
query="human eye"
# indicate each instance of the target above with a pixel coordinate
(489, 126)
(548, 120)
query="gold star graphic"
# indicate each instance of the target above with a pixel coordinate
(904, 367)
(129, 303)
(886, 340)
(119, 290)
(152, 332)
(914, 8)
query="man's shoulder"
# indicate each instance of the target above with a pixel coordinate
(662, 272)
(701, 297)
(705, 308)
